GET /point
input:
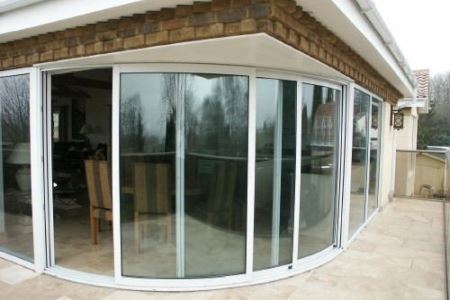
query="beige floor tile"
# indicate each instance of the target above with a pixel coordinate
(15, 274)
(129, 295)
(398, 256)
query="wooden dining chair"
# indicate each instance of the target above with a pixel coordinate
(152, 195)
(99, 189)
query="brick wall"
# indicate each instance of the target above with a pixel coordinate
(281, 19)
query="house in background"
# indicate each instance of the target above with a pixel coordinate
(184, 145)
(415, 175)
(412, 108)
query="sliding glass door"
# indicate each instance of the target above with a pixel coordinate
(16, 230)
(214, 176)
(365, 159)
(320, 132)
(374, 159)
(183, 174)
(276, 102)
(358, 189)
(147, 174)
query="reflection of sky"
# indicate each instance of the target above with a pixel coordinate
(202, 88)
(149, 88)
(266, 105)
(308, 93)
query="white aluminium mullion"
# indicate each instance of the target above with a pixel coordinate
(340, 166)
(115, 174)
(298, 171)
(369, 125)
(347, 172)
(380, 151)
(276, 198)
(49, 170)
(180, 160)
(37, 164)
(251, 173)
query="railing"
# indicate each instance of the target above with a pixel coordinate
(421, 174)
(447, 227)
(425, 174)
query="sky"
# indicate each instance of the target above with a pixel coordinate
(422, 31)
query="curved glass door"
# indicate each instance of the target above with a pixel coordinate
(276, 118)
(365, 159)
(215, 174)
(374, 160)
(183, 174)
(16, 230)
(147, 174)
(358, 189)
(320, 123)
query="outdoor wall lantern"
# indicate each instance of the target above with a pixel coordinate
(397, 119)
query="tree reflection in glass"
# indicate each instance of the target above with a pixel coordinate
(147, 174)
(212, 174)
(361, 111)
(215, 175)
(16, 233)
(318, 180)
(274, 172)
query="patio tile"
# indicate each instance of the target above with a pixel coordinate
(128, 295)
(16, 274)
(390, 260)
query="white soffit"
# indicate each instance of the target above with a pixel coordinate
(344, 18)
(256, 50)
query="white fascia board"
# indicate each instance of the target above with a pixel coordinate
(53, 15)
(8, 5)
(410, 103)
(344, 18)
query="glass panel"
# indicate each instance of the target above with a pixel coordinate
(16, 231)
(361, 111)
(215, 176)
(81, 170)
(318, 181)
(275, 172)
(374, 156)
(147, 174)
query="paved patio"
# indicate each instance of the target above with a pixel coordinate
(398, 256)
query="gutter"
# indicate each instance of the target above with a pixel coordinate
(368, 8)
(8, 5)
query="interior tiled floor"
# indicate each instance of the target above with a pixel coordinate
(157, 255)
(398, 256)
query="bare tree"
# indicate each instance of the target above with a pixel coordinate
(15, 111)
